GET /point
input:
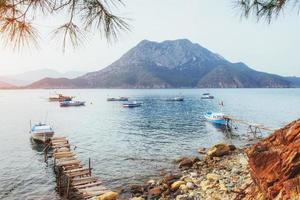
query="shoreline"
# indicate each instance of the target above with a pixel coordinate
(221, 175)
(268, 169)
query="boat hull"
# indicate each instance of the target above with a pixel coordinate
(220, 121)
(131, 105)
(42, 137)
(70, 104)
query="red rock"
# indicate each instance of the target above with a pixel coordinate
(275, 163)
(155, 191)
(186, 163)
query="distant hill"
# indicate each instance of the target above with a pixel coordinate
(4, 85)
(36, 75)
(295, 81)
(171, 64)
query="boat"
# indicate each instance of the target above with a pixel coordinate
(118, 99)
(207, 96)
(72, 103)
(41, 132)
(132, 104)
(61, 98)
(175, 99)
(216, 118)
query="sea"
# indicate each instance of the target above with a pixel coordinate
(127, 145)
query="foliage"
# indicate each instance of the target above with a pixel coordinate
(18, 17)
(266, 9)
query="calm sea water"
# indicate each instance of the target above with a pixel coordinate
(125, 145)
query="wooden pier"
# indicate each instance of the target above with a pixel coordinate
(73, 179)
(253, 128)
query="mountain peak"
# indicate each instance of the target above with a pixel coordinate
(168, 53)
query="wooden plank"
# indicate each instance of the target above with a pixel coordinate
(69, 162)
(84, 181)
(64, 156)
(75, 170)
(88, 185)
(60, 146)
(81, 173)
(94, 190)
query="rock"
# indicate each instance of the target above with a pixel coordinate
(183, 188)
(170, 178)
(137, 189)
(190, 185)
(137, 198)
(108, 196)
(213, 177)
(155, 191)
(151, 182)
(202, 150)
(218, 150)
(206, 184)
(176, 185)
(275, 163)
(193, 174)
(232, 147)
(185, 163)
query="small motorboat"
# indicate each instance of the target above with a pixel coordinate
(207, 96)
(118, 99)
(41, 132)
(61, 98)
(132, 104)
(72, 103)
(175, 99)
(216, 118)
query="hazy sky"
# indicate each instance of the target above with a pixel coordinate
(214, 24)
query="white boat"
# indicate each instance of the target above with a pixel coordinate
(118, 99)
(216, 118)
(175, 99)
(207, 96)
(132, 104)
(41, 132)
(72, 103)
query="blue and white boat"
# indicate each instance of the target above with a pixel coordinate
(72, 103)
(216, 118)
(41, 132)
(132, 104)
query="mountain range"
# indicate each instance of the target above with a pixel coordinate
(29, 77)
(171, 64)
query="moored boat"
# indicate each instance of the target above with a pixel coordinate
(132, 104)
(72, 103)
(175, 99)
(118, 99)
(61, 98)
(207, 96)
(41, 132)
(216, 118)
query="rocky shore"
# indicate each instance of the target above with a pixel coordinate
(269, 169)
(220, 172)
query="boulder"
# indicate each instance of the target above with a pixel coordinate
(213, 177)
(155, 191)
(185, 163)
(202, 150)
(108, 196)
(177, 184)
(218, 150)
(274, 163)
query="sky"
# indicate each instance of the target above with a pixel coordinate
(214, 24)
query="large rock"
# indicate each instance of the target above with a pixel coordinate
(177, 184)
(218, 150)
(275, 163)
(108, 196)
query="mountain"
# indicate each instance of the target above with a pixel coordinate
(171, 64)
(35, 75)
(295, 81)
(4, 85)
